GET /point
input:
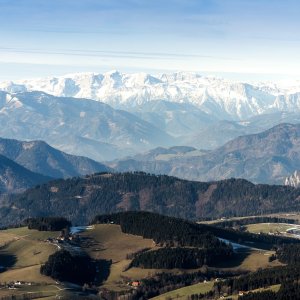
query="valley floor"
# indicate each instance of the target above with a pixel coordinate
(23, 251)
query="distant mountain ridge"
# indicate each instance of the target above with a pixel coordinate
(15, 178)
(77, 126)
(266, 157)
(220, 98)
(142, 111)
(39, 157)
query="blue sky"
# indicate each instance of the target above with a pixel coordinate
(244, 39)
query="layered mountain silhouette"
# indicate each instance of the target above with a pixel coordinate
(266, 157)
(77, 126)
(39, 157)
(15, 178)
(219, 98)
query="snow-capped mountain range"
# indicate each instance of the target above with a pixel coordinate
(219, 98)
(293, 180)
(112, 115)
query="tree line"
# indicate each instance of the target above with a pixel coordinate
(104, 193)
(64, 266)
(47, 223)
(253, 220)
(182, 258)
(261, 279)
(170, 231)
(288, 291)
(164, 230)
(289, 254)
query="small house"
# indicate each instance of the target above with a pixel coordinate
(135, 283)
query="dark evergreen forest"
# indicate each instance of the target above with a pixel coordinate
(79, 199)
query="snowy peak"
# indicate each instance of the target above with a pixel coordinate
(221, 98)
(180, 76)
(293, 180)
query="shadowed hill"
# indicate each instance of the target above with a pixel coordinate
(15, 178)
(80, 199)
(267, 157)
(39, 157)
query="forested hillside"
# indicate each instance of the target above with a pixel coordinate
(184, 244)
(80, 199)
(170, 231)
(39, 157)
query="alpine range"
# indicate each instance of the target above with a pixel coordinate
(149, 150)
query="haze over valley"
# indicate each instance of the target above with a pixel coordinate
(130, 114)
(149, 150)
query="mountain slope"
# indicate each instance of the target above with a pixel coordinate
(39, 157)
(15, 178)
(77, 126)
(220, 98)
(80, 199)
(165, 110)
(216, 134)
(267, 157)
(177, 119)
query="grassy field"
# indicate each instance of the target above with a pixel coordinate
(274, 288)
(269, 227)
(44, 291)
(203, 288)
(39, 290)
(25, 233)
(250, 260)
(167, 157)
(258, 259)
(26, 250)
(111, 243)
(183, 293)
(23, 253)
(6, 238)
(293, 216)
(31, 274)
